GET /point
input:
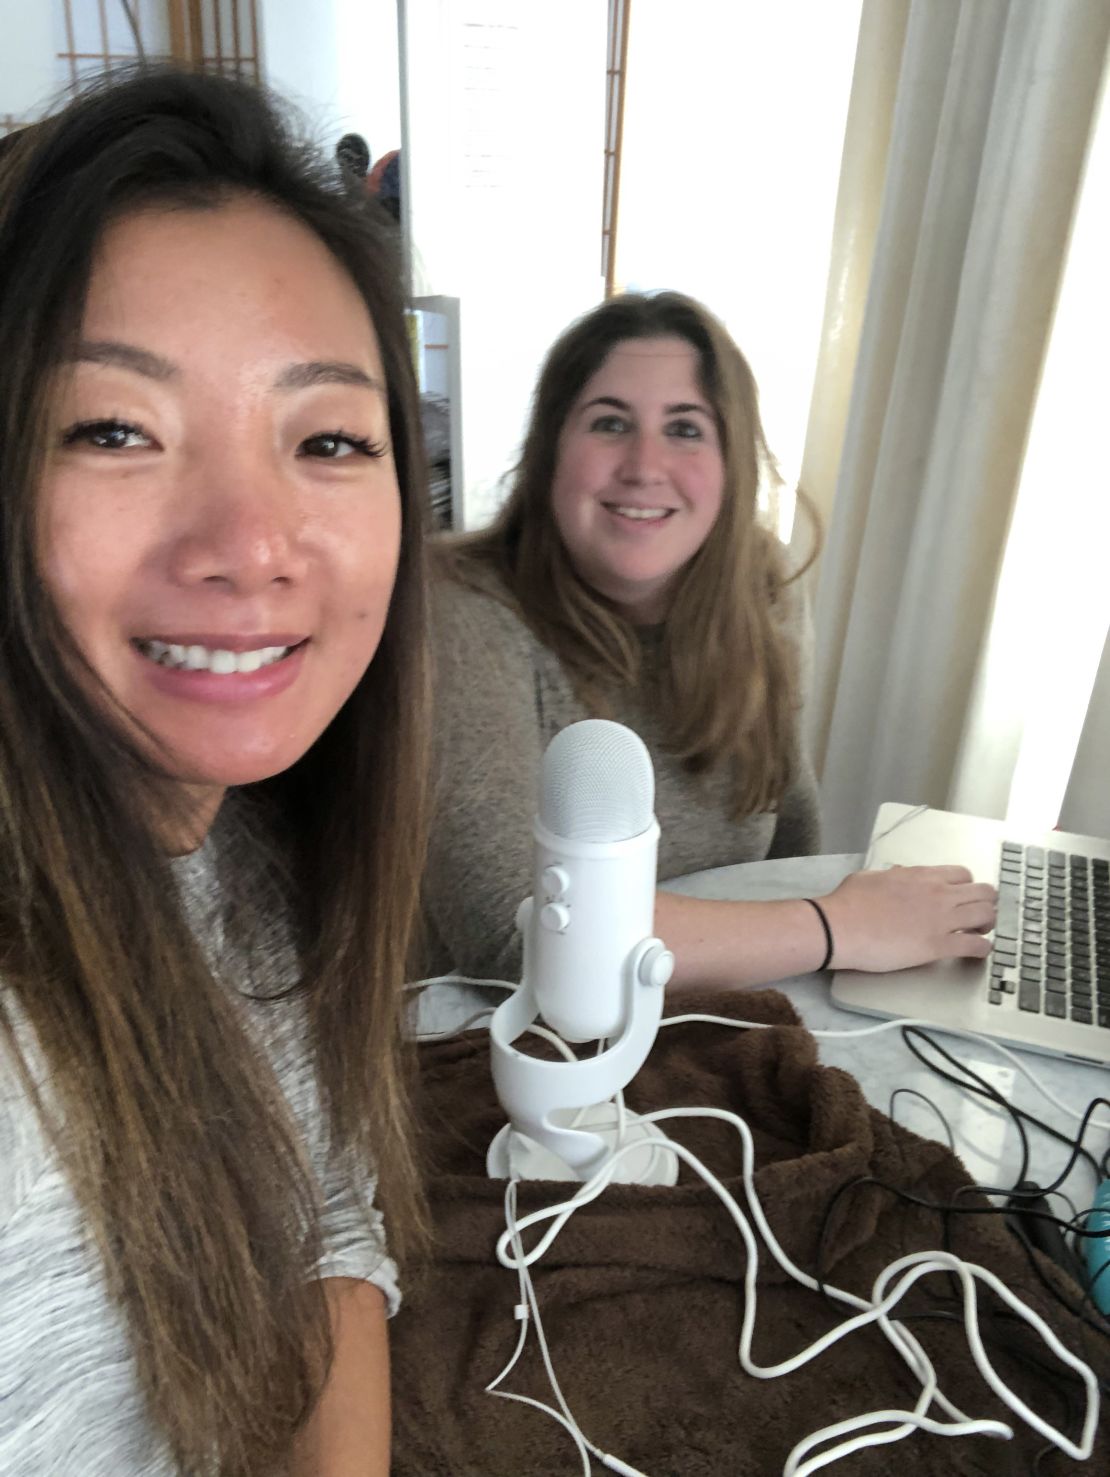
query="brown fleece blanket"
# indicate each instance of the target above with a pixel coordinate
(641, 1294)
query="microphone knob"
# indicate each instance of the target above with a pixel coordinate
(555, 917)
(656, 965)
(555, 883)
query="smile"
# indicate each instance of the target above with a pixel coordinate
(217, 660)
(638, 515)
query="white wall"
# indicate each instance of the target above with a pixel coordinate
(29, 75)
(505, 154)
(337, 59)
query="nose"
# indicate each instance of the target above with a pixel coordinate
(241, 528)
(645, 459)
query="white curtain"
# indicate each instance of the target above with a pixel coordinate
(975, 115)
(1086, 806)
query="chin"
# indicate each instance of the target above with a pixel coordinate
(230, 770)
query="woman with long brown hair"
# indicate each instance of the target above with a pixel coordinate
(629, 575)
(212, 636)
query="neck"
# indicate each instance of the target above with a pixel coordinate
(188, 818)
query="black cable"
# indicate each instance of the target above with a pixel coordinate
(1068, 1258)
(1065, 1380)
(977, 1085)
(1022, 1190)
(1077, 1150)
(1102, 1326)
(913, 1092)
(1019, 1115)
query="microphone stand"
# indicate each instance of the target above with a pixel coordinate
(543, 1098)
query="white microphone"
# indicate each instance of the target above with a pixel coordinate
(594, 880)
(592, 968)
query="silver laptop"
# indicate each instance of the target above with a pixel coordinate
(1046, 986)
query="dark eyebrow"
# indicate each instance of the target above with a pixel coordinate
(153, 366)
(686, 409)
(326, 372)
(607, 400)
(682, 409)
(125, 356)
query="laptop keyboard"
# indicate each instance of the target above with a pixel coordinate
(1052, 939)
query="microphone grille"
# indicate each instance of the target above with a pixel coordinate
(597, 783)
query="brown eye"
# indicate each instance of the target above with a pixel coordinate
(338, 446)
(106, 435)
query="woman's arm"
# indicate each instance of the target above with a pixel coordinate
(879, 921)
(347, 1434)
(487, 753)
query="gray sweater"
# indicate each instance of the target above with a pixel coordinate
(500, 697)
(70, 1400)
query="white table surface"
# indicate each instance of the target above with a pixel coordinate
(985, 1137)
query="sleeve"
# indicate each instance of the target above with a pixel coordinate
(354, 1234)
(352, 1228)
(798, 822)
(487, 751)
(27, 1153)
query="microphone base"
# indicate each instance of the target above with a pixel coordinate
(513, 1155)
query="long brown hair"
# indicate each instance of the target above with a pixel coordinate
(729, 690)
(174, 1133)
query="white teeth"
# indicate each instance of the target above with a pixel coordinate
(219, 661)
(222, 662)
(642, 515)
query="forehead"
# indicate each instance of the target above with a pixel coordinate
(666, 368)
(193, 282)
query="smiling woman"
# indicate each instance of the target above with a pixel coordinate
(221, 494)
(639, 476)
(212, 634)
(629, 576)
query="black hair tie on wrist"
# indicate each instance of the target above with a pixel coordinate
(816, 906)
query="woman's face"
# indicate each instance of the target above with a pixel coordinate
(640, 474)
(220, 516)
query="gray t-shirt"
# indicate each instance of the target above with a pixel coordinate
(500, 697)
(70, 1401)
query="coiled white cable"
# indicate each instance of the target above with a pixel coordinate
(875, 1310)
(859, 1431)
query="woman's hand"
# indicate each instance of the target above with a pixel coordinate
(909, 915)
